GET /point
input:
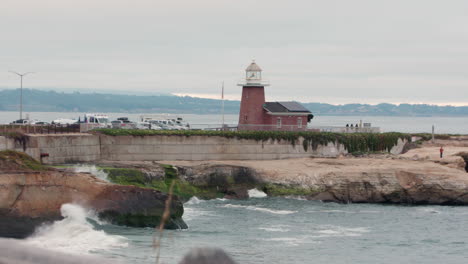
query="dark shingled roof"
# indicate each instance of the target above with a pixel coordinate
(285, 107)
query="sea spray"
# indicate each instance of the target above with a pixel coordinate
(193, 200)
(74, 234)
(96, 171)
(254, 193)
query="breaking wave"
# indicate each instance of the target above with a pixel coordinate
(193, 200)
(254, 193)
(99, 173)
(74, 234)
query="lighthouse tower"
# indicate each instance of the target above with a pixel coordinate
(251, 116)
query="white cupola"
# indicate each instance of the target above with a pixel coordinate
(253, 76)
(253, 72)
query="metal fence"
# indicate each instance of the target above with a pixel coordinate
(84, 127)
(40, 129)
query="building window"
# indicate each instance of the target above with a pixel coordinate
(245, 117)
(299, 122)
(278, 122)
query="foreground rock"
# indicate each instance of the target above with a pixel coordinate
(19, 252)
(29, 198)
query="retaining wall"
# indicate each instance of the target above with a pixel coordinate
(92, 148)
(68, 148)
(206, 148)
(3, 145)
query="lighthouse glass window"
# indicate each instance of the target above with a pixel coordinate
(253, 75)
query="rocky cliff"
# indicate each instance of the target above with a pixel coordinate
(31, 194)
(358, 180)
(419, 176)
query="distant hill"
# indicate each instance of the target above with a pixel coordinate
(51, 101)
(387, 110)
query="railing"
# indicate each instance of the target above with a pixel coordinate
(40, 129)
(345, 129)
(85, 127)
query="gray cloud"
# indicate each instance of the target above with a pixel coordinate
(330, 51)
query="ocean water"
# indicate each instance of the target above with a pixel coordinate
(452, 125)
(276, 230)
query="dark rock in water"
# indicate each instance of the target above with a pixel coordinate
(17, 252)
(207, 256)
(30, 198)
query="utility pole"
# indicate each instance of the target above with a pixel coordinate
(433, 137)
(21, 90)
(222, 105)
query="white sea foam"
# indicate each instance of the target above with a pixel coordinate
(254, 193)
(99, 173)
(431, 210)
(345, 212)
(281, 212)
(261, 209)
(291, 241)
(275, 228)
(194, 200)
(296, 197)
(74, 234)
(192, 213)
(339, 231)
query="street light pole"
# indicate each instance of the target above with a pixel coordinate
(21, 90)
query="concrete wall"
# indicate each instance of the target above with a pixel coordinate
(65, 148)
(91, 148)
(205, 148)
(10, 143)
(3, 145)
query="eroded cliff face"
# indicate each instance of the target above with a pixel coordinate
(378, 179)
(29, 198)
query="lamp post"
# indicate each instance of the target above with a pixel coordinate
(21, 90)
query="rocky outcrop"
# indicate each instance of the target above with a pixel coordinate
(29, 198)
(379, 179)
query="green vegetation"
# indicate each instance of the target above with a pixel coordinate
(281, 190)
(19, 160)
(354, 142)
(428, 136)
(182, 188)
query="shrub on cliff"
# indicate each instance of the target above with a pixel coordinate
(353, 142)
(13, 160)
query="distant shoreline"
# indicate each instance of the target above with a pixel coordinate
(52, 101)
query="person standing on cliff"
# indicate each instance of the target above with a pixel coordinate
(441, 151)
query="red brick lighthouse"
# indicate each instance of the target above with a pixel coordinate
(256, 114)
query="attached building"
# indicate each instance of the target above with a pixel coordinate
(256, 114)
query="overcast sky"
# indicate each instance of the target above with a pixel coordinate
(330, 51)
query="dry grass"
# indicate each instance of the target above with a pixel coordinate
(158, 235)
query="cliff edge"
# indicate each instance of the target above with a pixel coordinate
(32, 194)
